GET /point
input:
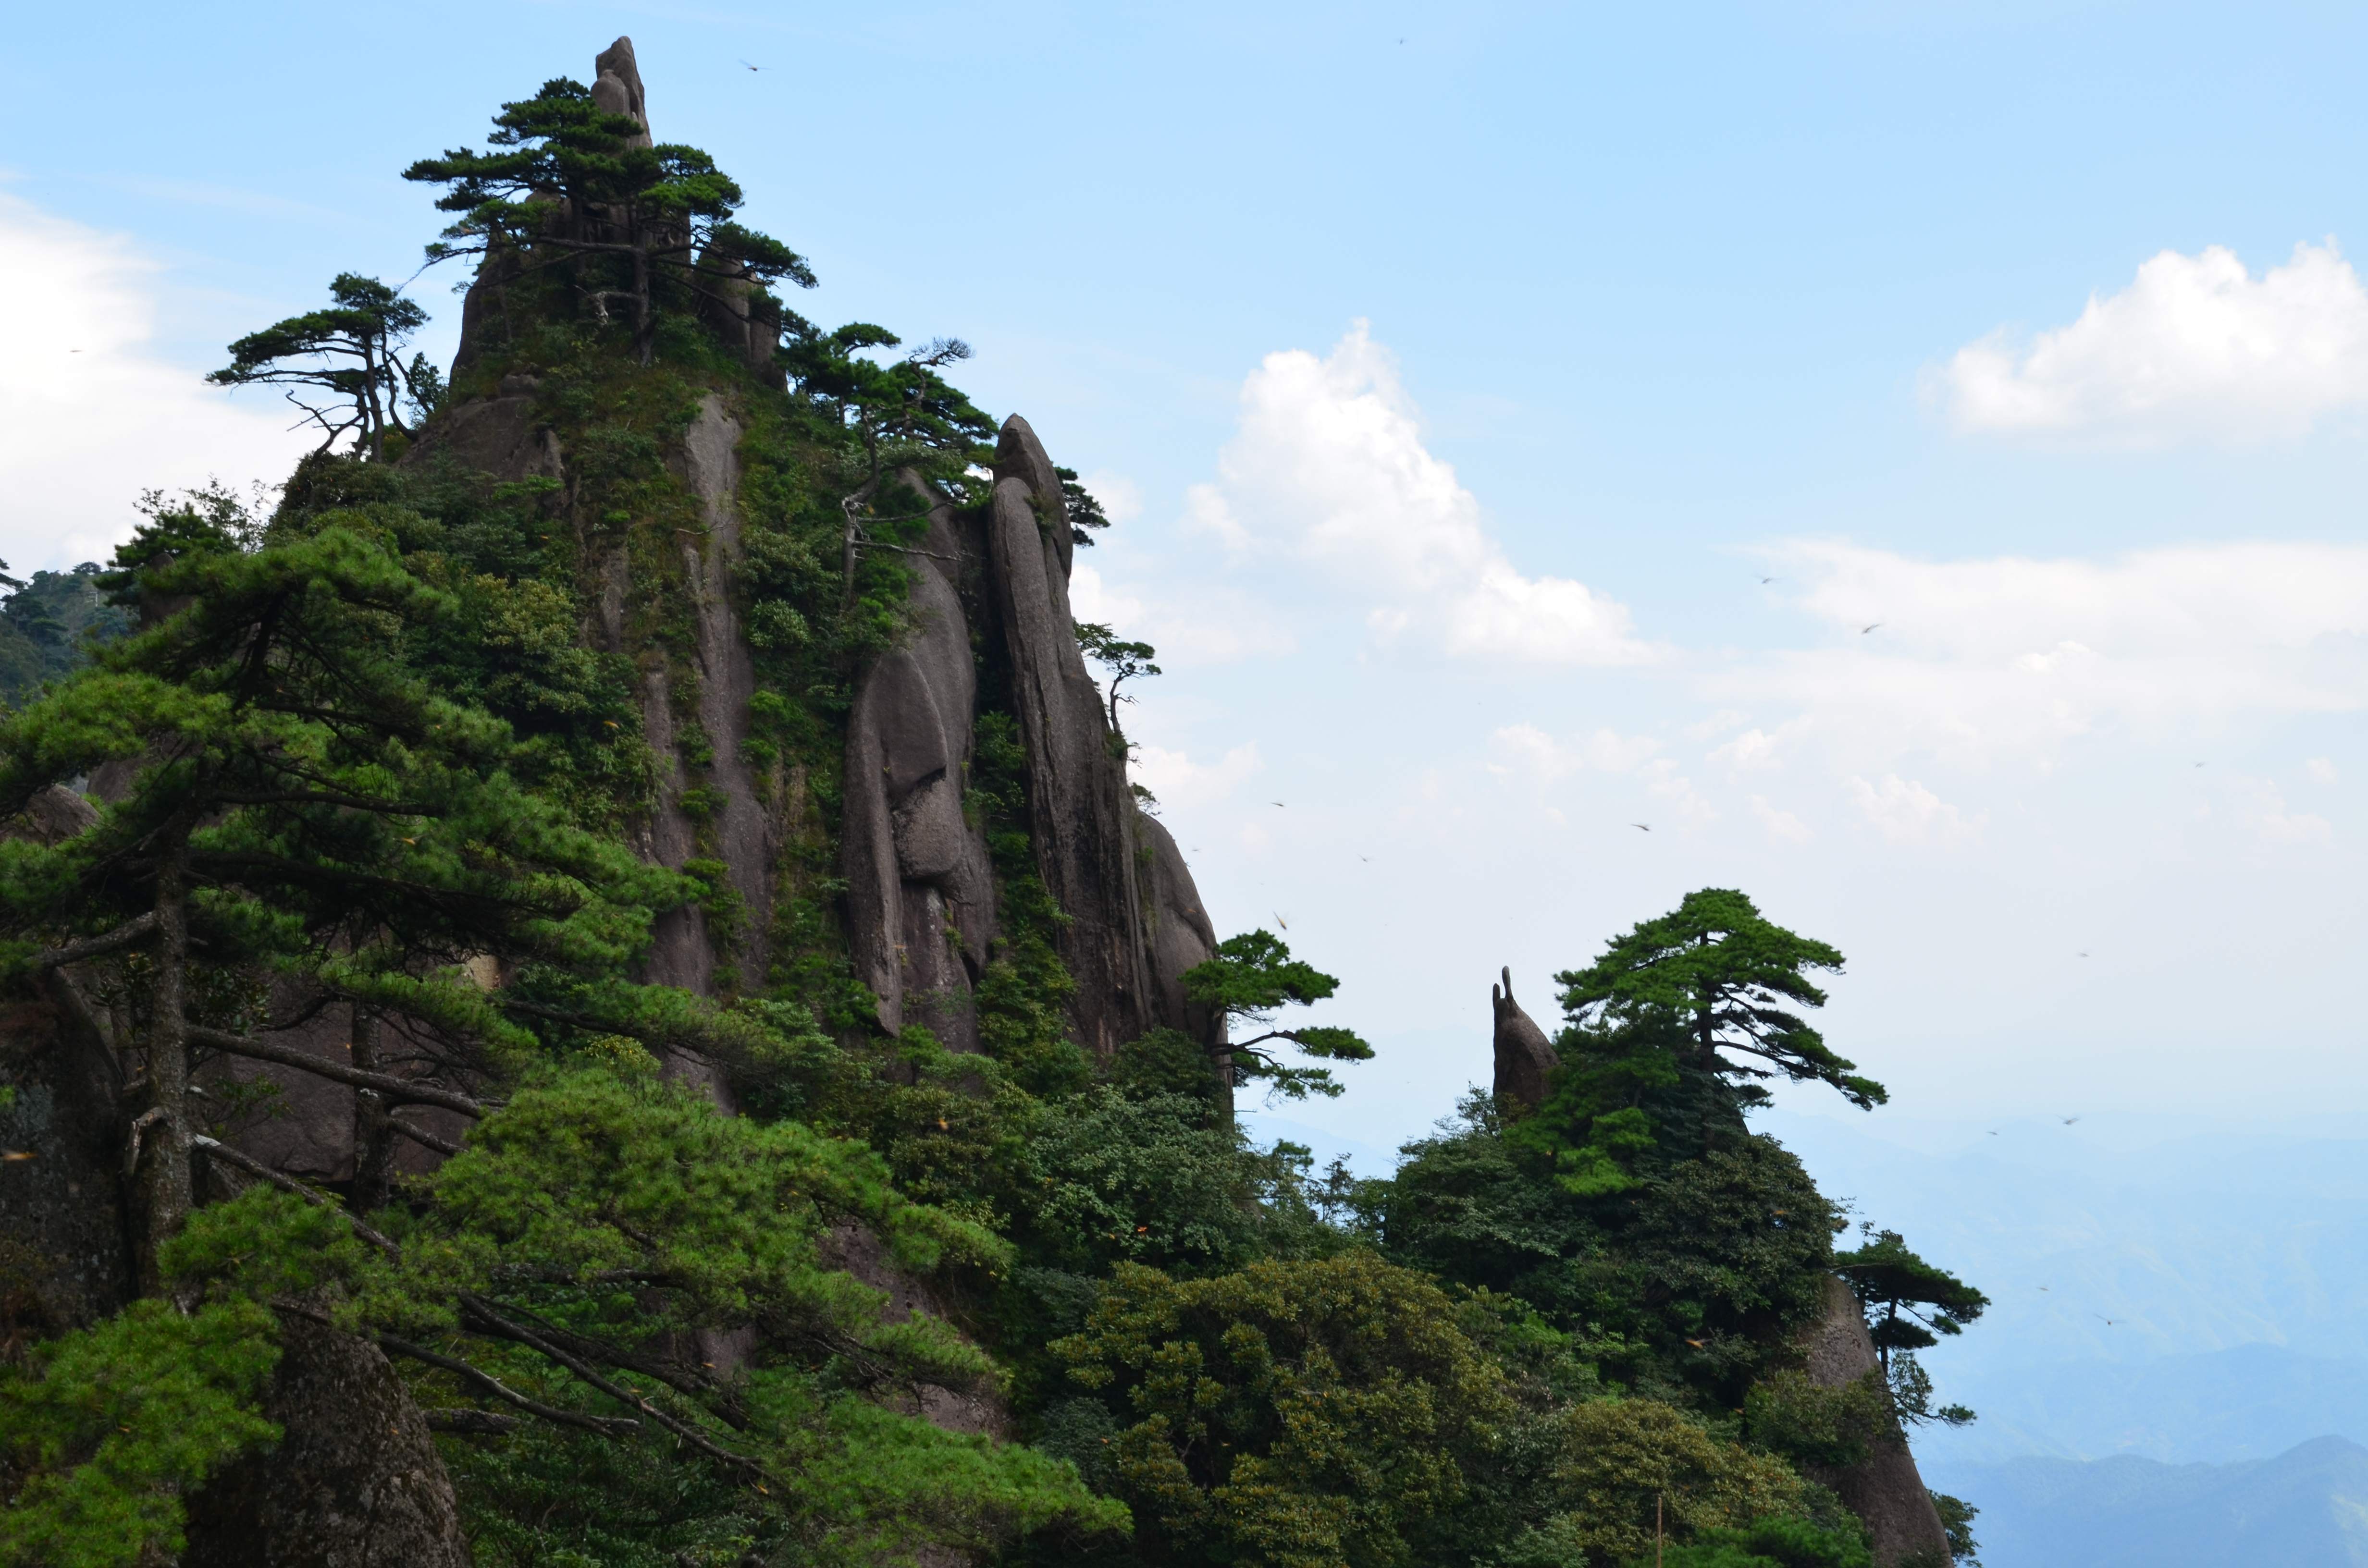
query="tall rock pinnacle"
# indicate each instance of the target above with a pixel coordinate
(618, 87)
(1524, 1056)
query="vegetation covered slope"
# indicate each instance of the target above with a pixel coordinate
(423, 787)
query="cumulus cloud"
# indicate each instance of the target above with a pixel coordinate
(2262, 811)
(1211, 626)
(1977, 658)
(1905, 812)
(1527, 750)
(1122, 498)
(1178, 780)
(89, 416)
(1329, 466)
(1781, 826)
(2195, 348)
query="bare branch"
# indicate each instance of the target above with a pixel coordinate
(493, 1322)
(473, 1423)
(124, 936)
(421, 1136)
(606, 1426)
(221, 1150)
(406, 1091)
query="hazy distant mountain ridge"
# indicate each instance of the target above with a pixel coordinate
(2307, 1508)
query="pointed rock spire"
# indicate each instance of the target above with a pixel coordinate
(618, 87)
(1524, 1056)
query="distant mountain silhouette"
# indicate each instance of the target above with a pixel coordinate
(2250, 1401)
(2307, 1508)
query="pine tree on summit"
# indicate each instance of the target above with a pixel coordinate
(569, 182)
(1718, 971)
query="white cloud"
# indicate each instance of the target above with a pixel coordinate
(1090, 599)
(1178, 780)
(2265, 814)
(1529, 751)
(2196, 347)
(1122, 498)
(88, 416)
(1781, 824)
(2321, 770)
(1329, 466)
(1905, 812)
(1211, 626)
(1982, 659)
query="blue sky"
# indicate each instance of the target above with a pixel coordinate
(1458, 374)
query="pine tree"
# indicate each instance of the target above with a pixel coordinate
(572, 185)
(351, 350)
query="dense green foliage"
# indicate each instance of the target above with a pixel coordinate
(46, 625)
(397, 736)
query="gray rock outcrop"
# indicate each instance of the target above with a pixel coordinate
(994, 590)
(1885, 1490)
(1524, 1056)
(353, 1482)
(617, 88)
(920, 887)
(1080, 811)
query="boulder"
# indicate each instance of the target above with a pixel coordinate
(354, 1481)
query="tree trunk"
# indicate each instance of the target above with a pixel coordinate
(373, 1139)
(644, 338)
(159, 1147)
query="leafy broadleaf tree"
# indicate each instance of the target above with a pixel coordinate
(350, 350)
(1252, 978)
(569, 182)
(1909, 1304)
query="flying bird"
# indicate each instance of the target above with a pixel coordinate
(1282, 922)
(1765, 581)
(14, 1155)
(2070, 1119)
(1277, 802)
(2084, 955)
(757, 67)
(1367, 858)
(1865, 629)
(1642, 826)
(2102, 1318)
(1993, 1133)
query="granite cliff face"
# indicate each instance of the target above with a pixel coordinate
(1885, 1489)
(988, 618)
